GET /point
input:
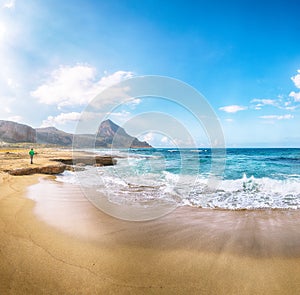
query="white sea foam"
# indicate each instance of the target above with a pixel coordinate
(247, 193)
(243, 193)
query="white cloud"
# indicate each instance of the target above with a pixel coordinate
(9, 4)
(281, 103)
(261, 102)
(120, 117)
(114, 78)
(3, 33)
(7, 110)
(229, 120)
(292, 108)
(157, 139)
(295, 96)
(75, 85)
(15, 118)
(296, 79)
(165, 140)
(233, 108)
(277, 117)
(148, 137)
(134, 102)
(11, 83)
(61, 119)
(8, 105)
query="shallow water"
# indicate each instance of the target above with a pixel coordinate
(241, 179)
(255, 233)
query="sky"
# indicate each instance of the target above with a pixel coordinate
(242, 56)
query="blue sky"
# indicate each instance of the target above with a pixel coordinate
(243, 56)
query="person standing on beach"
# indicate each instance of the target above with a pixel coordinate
(31, 153)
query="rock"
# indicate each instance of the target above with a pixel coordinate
(74, 168)
(88, 160)
(67, 161)
(49, 169)
(70, 168)
(52, 169)
(105, 160)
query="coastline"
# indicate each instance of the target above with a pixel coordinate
(190, 251)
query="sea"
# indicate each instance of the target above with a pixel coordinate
(231, 179)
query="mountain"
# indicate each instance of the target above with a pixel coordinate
(13, 132)
(109, 135)
(115, 136)
(51, 135)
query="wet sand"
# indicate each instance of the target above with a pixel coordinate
(56, 242)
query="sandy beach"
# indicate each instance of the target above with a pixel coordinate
(53, 241)
(149, 147)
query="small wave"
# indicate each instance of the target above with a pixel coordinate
(173, 151)
(247, 193)
(68, 177)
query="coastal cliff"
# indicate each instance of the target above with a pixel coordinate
(13, 132)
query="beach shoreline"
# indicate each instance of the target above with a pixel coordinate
(190, 251)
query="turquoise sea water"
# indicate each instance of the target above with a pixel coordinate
(250, 178)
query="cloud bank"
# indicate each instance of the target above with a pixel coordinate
(75, 85)
(61, 119)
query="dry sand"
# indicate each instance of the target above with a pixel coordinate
(19, 158)
(58, 243)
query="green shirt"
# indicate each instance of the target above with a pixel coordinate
(31, 152)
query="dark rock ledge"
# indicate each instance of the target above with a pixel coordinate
(48, 169)
(82, 161)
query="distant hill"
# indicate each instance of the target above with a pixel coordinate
(13, 132)
(109, 135)
(51, 135)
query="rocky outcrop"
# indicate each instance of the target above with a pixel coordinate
(49, 169)
(116, 137)
(59, 165)
(13, 132)
(97, 161)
